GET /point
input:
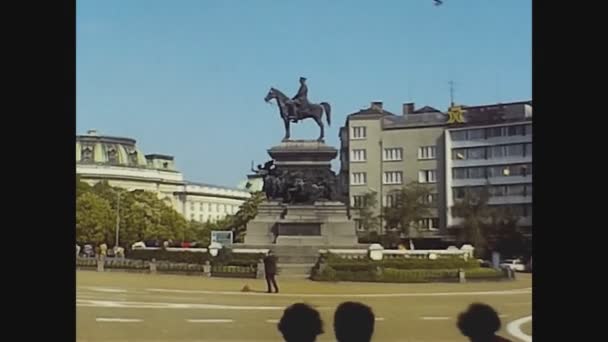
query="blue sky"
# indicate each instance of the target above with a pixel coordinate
(188, 77)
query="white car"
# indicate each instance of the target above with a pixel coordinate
(514, 264)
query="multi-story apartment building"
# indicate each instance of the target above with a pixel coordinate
(381, 152)
(488, 145)
(492, 148)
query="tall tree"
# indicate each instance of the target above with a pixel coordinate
(366, 209)
(504, 234)
(94, 219)
(475, 213)
(410, 206)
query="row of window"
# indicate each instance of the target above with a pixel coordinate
(491, 132)
(202, 219)
(492, 152)
(221, 208)
(483, 172)
(360, 132)
(430, 223)
(389, 200)
(395, 177)
(395, 154)
(524, 190)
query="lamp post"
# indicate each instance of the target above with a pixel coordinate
(117, 218)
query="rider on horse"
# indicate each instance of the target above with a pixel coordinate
(300, 101)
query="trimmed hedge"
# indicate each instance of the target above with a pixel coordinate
(225, 257)
(419, 276)
(86, 262)
(164, 255)
(367, 264)
(126, 264)
(484, 274)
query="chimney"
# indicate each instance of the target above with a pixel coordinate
(377, 105)
(408, 108)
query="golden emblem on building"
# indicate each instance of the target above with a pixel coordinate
(455, 115)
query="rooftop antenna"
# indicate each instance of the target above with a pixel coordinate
(451, 93)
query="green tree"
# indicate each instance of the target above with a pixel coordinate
(94, 219)
(368, 220)
(411, 205)
(476, 213)
(504, 234)
(81, 187)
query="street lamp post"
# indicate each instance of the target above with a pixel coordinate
(117, 218)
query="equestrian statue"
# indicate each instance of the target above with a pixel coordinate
(299, 108)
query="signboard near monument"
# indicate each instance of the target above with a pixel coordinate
(223, 237)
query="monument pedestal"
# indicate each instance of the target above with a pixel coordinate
(320, 224)
(302, 216)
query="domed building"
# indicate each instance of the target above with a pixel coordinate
(119, 161)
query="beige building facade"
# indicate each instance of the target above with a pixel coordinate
(381, 152)
(119, 161)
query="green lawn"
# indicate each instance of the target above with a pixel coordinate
(162, 305)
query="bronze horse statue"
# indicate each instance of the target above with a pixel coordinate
(312, 110)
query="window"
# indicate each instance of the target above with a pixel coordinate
(358, 201)
(191, 217)
(528, 129)
(528, 190)
(459, 135)
(458, 193)
(429, 223)
(477, 134)
(393, 154)
(528, 150)
(427, 152)
(205, 206)
(389, 201)
(516, 150)
(430, 199)
(213, 207)
(393, 177)
(516, 130)
(459, 154)
(476, 172)
(516, 190)
(459, 173)
(359, 155)
(476, 153)
(498, 191)
(359, 132)
(191, 206)
(496, 152)
(359, 178)
(427, 176)
(493, 132)
(221, 208)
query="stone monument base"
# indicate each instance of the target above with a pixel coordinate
(320, 224)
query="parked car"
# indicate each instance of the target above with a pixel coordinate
(514, 264)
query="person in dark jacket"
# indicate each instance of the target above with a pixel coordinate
(270, 268)
(354, 322)
(300, 323)
(480, 323)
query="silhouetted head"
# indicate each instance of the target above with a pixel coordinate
(479, 323)
(300, 323)
(353, 322)
(302, 80)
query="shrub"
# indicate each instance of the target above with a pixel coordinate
(418, 276)
(164, 255)
(126, 264)
(179, 267)
(484, 273)
(86, 262)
